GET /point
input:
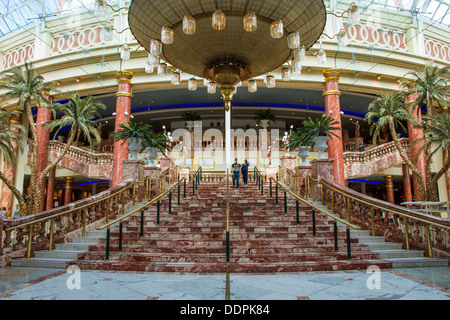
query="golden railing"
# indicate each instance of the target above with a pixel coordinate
(383, 218)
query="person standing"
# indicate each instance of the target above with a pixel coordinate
(3, 213)
(236, 169)
(244, 170)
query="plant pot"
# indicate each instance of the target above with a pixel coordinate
(320, 144)
(135, 145)
(152, 154)
(264, 123)
(303, 153)
(190, 124)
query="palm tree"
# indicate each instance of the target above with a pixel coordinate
(390, 110)
(266, 114)
(431, 85)
(79, 115)
(26, 87)
(10, 136)
(436, 137)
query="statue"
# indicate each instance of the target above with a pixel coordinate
(184, 155)
(285, 141)
(357, 133)
(269, 155)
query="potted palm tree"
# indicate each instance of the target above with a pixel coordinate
(190, 117)
(320, 130)
(135, 133)
(301, 140)
(264, 117)
(154, 142)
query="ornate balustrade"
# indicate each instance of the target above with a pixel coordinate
(415, 229)
(21, 237)
(373, 160)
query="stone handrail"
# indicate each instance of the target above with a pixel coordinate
(398, 224)
(373, 160)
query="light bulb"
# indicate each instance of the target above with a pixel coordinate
(167, 35)
(321, 57)
(162, 70)
(286, 74)
(175, 79)
(276, 29)
(125, 52)
(252, 86)
(189, 24)
(293, 40)
(155, 47)
(192, 84)
(218, 20)
(250, 22)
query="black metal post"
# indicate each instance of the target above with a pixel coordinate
(228, 246)
(297, 212)
(193, 186)
(349, 250)
(335, 236)
(262, 187)
(314, 222)
(178, 201)
(276, 193)
(270, 187)
(184, 191)
(170, 202)
(120, 237)
(142, 223)
(158, 204)
(285, 202)
(107, 244)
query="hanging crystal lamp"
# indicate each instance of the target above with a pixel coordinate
(293, 40)
(342, 38)
(211, 88)
(107, 32)
(276, 29)
(353, 14)
(189, 24)
(153, 60)
(299, 54)
(162, 70)
(270, 81)
(125, 52)
(176, 78)
(192, 84)
(252, 86)
(286, 74)
(148, 67)
(296, 67)
(321, 57)
(250, 22)
(218, 20)
(155, 47)
(167, 35)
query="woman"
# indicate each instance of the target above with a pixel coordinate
(3, 213)
(244, 170)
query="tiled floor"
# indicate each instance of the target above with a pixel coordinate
(54, 284)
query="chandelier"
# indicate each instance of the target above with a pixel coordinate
(226, 42)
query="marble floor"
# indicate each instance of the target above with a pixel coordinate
(56, 284)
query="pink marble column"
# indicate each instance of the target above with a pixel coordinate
(68, 190)
(407, 183)
(10, 172)
(415, 134)
(43, 115)
(389, 184)
(331, 95)
(123, 105)
(50, 188)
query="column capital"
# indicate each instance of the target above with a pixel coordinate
(123, 76)
(331, 74)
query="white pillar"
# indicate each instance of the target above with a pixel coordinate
(228, 161)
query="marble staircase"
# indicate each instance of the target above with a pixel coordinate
(263, 238)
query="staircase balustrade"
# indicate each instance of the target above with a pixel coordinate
(415, 229)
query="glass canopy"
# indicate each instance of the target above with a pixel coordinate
(17, 14)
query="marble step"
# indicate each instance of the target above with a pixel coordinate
(417, 262)
(41, 263)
